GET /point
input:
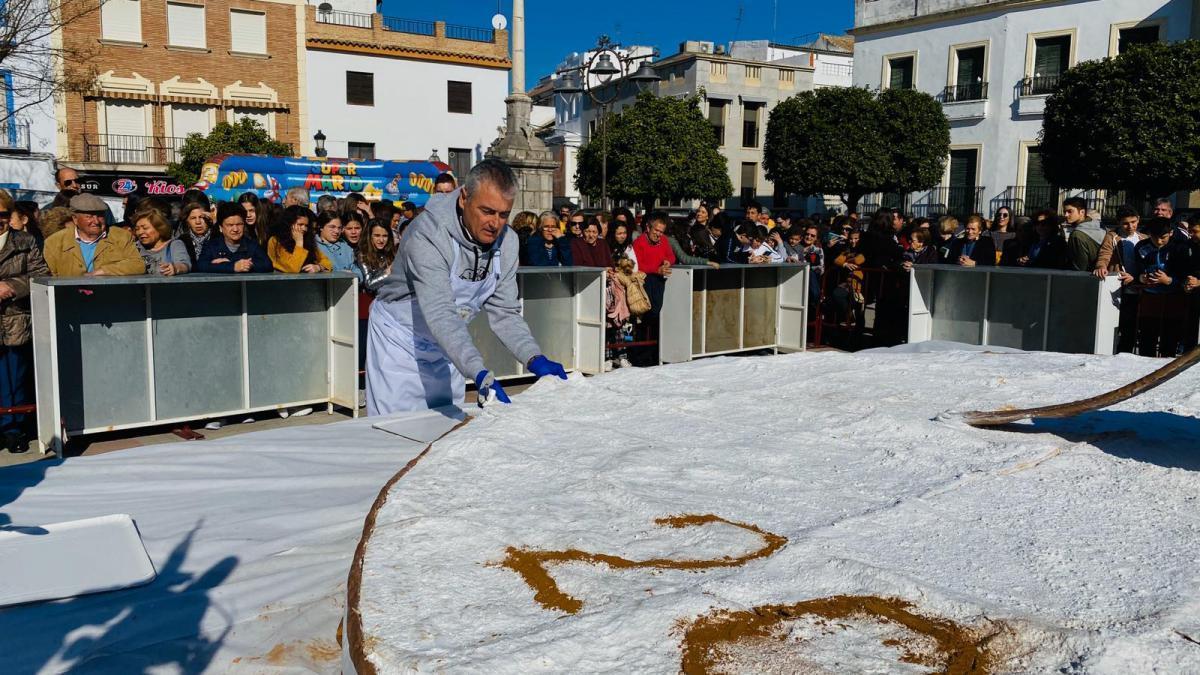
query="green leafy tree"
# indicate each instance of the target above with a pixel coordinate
(853, 142)
(659, 147)
(245, 137)
(1127, 123)
(917, 134)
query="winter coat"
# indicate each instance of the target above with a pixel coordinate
(590, 255)
(984, 252)
(558, 255)
(20, 260)
(115, 254)
(1083, 246)
(216, 248)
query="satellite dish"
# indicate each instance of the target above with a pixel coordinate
(324, 7)
(499, 22)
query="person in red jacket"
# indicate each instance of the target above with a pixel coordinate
(655, 257)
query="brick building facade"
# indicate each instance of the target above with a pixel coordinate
(173, 68)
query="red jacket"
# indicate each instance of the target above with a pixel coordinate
(651, 256)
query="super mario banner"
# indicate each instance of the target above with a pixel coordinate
(226, 177)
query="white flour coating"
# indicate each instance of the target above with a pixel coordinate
(1080, 538)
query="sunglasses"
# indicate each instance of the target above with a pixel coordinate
(70, 181)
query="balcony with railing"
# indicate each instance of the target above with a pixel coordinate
(394, 31)
(470, 33)
(965, 101)
(970, 91)
(352, 19)
(1040, 85)
(959, 201)
(396, 24)
(14, 136)
(125, 149)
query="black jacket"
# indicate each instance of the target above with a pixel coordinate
(984, 253)
(215, 249)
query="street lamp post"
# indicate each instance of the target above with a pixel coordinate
(607, 64)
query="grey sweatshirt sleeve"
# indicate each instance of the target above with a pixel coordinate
(504, 308)
(427, 267)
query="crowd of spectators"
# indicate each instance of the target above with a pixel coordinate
(1157, 261)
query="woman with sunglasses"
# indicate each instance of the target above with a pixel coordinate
(20, 259)
(1002, 228)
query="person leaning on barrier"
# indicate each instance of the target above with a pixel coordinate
(329, 241)
(1084, 236)
(161, 254)
(588, 249)
(231, 250)
(20, 260)
(293, 246)
(90, 249)
(549, 247)
(974, 248)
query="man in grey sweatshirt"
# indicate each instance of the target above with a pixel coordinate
(456, 259)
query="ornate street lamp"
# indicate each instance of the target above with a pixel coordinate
(319, 139)
(606, 66)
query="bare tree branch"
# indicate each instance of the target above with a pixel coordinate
(38, 67)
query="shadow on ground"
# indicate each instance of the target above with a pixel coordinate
(1160, 438)
(152, 628)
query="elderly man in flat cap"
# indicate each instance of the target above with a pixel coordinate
(90, 249)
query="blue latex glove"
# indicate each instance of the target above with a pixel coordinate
(542, 366)
(488, 388)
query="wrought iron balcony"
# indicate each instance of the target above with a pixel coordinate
(971, 91)
(959, 201)
(123, 149)
(1040, 85)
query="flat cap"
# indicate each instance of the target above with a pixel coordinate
(88, 203)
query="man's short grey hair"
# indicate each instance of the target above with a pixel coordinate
(326, 203)
(495, 172)
(297, 193)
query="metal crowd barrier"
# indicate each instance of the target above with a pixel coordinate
(565, 310)
(116, 353)
(1023, 308)
(737, 308)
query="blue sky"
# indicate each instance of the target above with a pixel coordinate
(554, 29)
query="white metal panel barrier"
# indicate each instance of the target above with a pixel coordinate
(116, 353)
(1022, 308)
(565, 310)
(737, 308)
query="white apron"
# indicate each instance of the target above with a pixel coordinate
(406, 368)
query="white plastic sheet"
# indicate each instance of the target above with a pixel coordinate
(252, 538)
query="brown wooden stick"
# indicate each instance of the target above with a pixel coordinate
(1140, 386)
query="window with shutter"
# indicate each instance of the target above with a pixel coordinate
(189, 119)
(247, 32)
(900, 73)
(1052, 56)
(360, 88)
(185, 25)
(970, 65)
(121, 20)
(1138, 35)
(716, 117)
(262, 117)
(125, 118)
(750, 114)
(360, 151)
(1039, 193)
(749, 181)
(961, 198)
(458, 97)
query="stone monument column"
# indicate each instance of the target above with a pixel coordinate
(529, 157)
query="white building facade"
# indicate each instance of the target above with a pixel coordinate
(992, 65)
(390, 88)
(739, 86)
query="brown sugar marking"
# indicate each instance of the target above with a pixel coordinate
(532, 564)
(705, 640)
